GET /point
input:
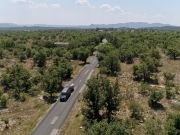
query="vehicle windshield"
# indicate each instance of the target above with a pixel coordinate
(63, 94)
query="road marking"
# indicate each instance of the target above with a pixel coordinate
(54, 120)
(54, 132)
(82, 88)
(90, 74)
(86, 72)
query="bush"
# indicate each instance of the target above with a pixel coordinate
(168, 77)
(144, 89)
(155, 96)
(17, 80)
(22, 97)
(154, 126)
(40, 59)
(1, 92)
(3, 100)
(170, 92)
(173, 124)
(104, 128)
(136, 111)
(22, 57)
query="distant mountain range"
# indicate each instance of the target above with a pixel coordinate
(135, 25)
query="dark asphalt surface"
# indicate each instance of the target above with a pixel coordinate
(56, 117)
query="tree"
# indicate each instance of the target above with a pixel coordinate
(92, 99)
(144, 89)
(154, 126)
(105, 128)
(1, 53)
(169, 77)
(17, 80)
(40, 59)
(65, 70)
(22, 57)
(110, 64)
(28, 53)
(52, 82)
(155, 96)
(170, 92)
(111, 97)
(83, 54)
(141, 72)
(173, 52)
(173, 124)
(155, 54)
(127, 55)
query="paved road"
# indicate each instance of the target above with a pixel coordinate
(55, 118)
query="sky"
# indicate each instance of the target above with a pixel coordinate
(85, 12)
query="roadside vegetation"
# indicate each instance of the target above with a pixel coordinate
(33, 71)
(136, 90)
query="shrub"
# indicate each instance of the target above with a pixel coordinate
(144, 89)
(136, 110)
(170, 92)
(22, 97)
(155, 96)
(3, 100)
(173, 124)
(168, 77)
(154, 126)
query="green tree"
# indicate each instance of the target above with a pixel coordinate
(52, 82)
(17, 79)
(110, 64)
(127, 55)
(65, 70)
(92, 99)
(170, 92)
(173, 52)
(83, 54)
(155, 96)
(28, 52)
(22, 57)
(154, 126)
(1, 53)
(40, 59)
(111, 98)
(155, 54)
(144, 89)
(105, 128)
(141, 72)
(173, 124)
(168, 77)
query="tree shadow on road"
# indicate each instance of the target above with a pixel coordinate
(49, 99)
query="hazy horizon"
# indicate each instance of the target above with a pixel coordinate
(86, 12)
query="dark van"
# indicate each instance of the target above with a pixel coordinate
(65, 94)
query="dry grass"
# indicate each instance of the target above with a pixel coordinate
(23, 116)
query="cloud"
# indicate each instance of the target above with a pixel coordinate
(84, 3)
(110, 8)
(33, 4)
(57, 5)
(23, 1)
